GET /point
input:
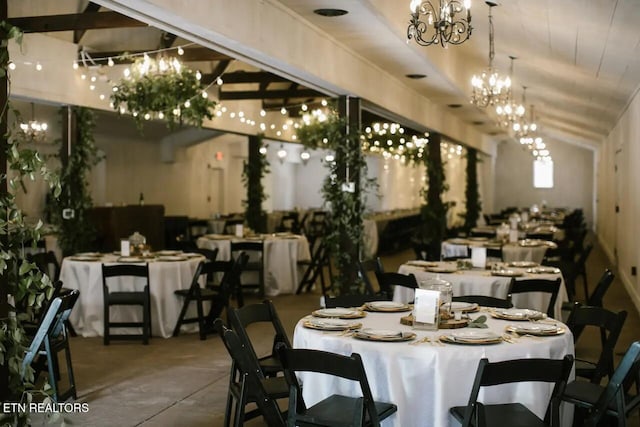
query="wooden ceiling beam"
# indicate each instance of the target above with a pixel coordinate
(77, 34)
(190, 55)
(251, 77)
(270, 94)
(207, 79)
(167, 39)
(74, 22)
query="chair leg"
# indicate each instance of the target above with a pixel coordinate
(53, 381)
(183, 312)
(107, 319)
(586, 287)
(146, 320)
(201, 323)
(72, 380)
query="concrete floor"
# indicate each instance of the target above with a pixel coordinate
(183, 381)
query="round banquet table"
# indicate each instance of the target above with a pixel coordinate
(281, 256)
(481, 282)
(165, 277)
(426, 379)
(510, 252)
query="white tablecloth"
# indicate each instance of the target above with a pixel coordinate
(281, 259)
(481, 282)
(87, 316)
(510, 251)
(425, 380)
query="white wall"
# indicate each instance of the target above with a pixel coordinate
(617, 177)
(573, 178)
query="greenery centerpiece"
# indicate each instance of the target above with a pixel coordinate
(253, 170)
(162, 89)
(21, 280)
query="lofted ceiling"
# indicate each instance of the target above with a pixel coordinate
(580, 59)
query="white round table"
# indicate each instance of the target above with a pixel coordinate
(165, 277)
(510, 252)
(426, 379)
(281, 256)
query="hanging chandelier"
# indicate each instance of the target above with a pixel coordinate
(511, 111)
(525, 128)
(33, 130)
(490, 88)
(447, 23)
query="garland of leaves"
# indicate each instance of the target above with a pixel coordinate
(252, 173)
(434, 211)
(76, 234)
(473, 204)
(169, 92)
(28, 286)
(344, 236)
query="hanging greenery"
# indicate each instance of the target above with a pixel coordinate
(473, 204)
(253, 171)
(434, 211)
(162, 89)
(346, 171)
(18, 278)
(69, 212)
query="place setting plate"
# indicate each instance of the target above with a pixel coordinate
(457, 241)
(543, 270)
(330, 324)
(386, 306)
(471, 337)
(88, 258)
(167, 253)
(465, 307)
(171, 258)
(421, 263)
(536, 328)
(523, 264)
(523, 314)
(442, 269)
(530, 243)
(386, 335)
(340, 313)
(506, 273)
(478, 239)
(129, 259)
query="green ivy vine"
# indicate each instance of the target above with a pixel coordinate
(472, 196)
(344, 236)
(19, 279)
(76, 234)
(166, 92)
(253, 171)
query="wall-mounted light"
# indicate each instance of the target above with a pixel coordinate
(305, 156)
(282, 153)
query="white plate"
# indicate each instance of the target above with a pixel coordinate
(507, 273)
(386, 305)
(519, 313)
(84, 258)
(338, 312)
(129, 259)
(330, 324)
(167, 253)
(172, 258)
(382, 333)
(535, 328)
(530, 243)
(474, 335)
(463, 306)
(523, 264)
(421, 263)
(442, 269)
(457, 241)
(543, 270)
(89, 254)
(478, 239)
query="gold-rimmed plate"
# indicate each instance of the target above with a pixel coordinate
(421, 263)
(471, 337)
(536, 328)
(340, 313)
(442, 269)
(523, 264)
(465, 307)
(384, 335)
(386, 306)
(507, 273)
(523, 314)
(84, 258)
(171, 258)
(543, 270)
(330, 324)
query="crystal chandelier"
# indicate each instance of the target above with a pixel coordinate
(490, 88)
(511, 111)
(525, 127)
(448, 23)
(33, 130)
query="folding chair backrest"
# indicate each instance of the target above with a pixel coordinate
(596, 297)
(125, 270)
(47, 263)
(388, 280)
(348, 367)
(249, 368)
(366, 267)
(551, 287)
(522, 370)
(613, 393)
(352, 300)
(610, 325)
(484, 300)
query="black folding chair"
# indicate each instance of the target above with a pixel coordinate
(241, 319)
(387, 282)
(596, 297)
(365, 268)
(335, 410)
(247, 384)
(50, 339)
(596, 404)
(255, 250)
(609, 326)
(551, 287)
(138, 297)
(477, 414)
(356, 300)
(219, 298)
